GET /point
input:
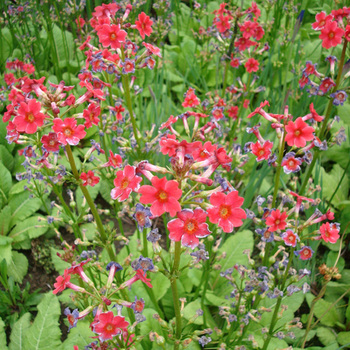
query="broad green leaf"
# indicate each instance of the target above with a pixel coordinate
(44, 333)
(23, 206)
(2, 335)
(326, 335)
(150, 325)
(81, 335)
(160, 284)
(6, 248)
(18, 331)
(18, 266)
(79, 197)
(190, 310)
(59, 264)
(6, 158)
(321, 306)
(344, 338)
(5, 218)
(5, 183)
(29, 228)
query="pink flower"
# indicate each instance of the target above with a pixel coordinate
(226, 211)
(111, 35)
(261, 151)
(321, 20)
(91, 115)
(305, 253)
(163, 196)
(109, 325)
(290, 238)
(276, 220)
(188, 227)
(125, 182)
(291, 164)
(152, 49)
(252, 65)
(331, 35)
(223, 23)
(329, 233)
(144, 25)
(168, 145)
(191, 100)
(50, 142)
(28, 117)
(298, 133)
(61, 282)
(89, 178)
(114, 160)
(68, 131)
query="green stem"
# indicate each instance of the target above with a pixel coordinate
(279, 301)
(125, 82)
(325, 121)
(173, 281)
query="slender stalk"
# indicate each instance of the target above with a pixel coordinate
(321, 133)
(173, 281)
(127, 95)
(278, 304)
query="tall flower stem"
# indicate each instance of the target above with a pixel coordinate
(275, 190)
(127, 95)
(173, 281)
(278, 304)
(323, 129)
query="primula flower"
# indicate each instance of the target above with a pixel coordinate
(248, 29)
(305, 253)
(91, 115)
(298, 133)
(152, 49)
(204, 152)
(111, 35)
(223, 23)
(118, 109)
(188, 227)
(125, 182)
(89, 178)
(72, 317)
(168, 145)
(290, 238)
(321, 19)
(144, 25)
(142, 216)
(109, 325)
(68, 131)
(276, 220)
(326, 85)
(28, 117)
(329, 233)
(252, 65)
(331, 35)
(163, 196)
(233, 112)
(128, 66)
(339, 97)
(226, 211)
(50, 142)
(191, 100)
(235, 62)
(290, 163)
(261, 151)
(114, 160)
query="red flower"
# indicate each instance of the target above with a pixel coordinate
(321, 19)
(291, 164)
(191, 100)
(89, 178)
(114, 160)
(91, 115)
(163, 196)
(168, 145)
(111, 35)
(169, 122)
(152, 49)
(234, 62)
(125, 182)
(347, 33)
(144, 25)
(290, 238)
(50, 142)
(298, 133)
(248, 29)
(68, 131)
(233, 112)
(118, 109)
(226, 211)
(204, 152)
(261, 151)
(326, 85)
(109, 325)
(28, 117)
(329, 233)
(246, 103)
(243, 44)
(315, 115)
(252, 65)
(305, 253)
(61, 282)
(276, 220)
(222, 23)
(188, 227)
(331, 35)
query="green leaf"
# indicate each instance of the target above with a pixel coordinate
(321, 306)
(18, 266)
(150, 325)
(5, 183)
(80, 335)
(6, 158)
(344, 338)
(22, 207)
(18, 331)
(6, 248)
(326, 336)
(79, 197)
(2, 335)
(29, 228)
(44, 333)
(5, 218)
(160, 283)
(59, 264)
(190, 310)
